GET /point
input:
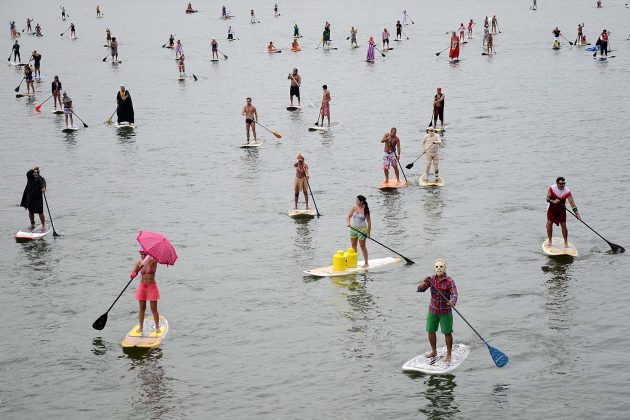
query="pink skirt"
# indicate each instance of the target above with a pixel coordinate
(148, 291)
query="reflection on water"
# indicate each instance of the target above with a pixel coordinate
(303, 237)
(500, 393)
(441, 400)
(432, 207)
(154, 395)
(251, 161)
(38, 253)
(99, 347)
(558, 297)
(393, 210)
(126, 135)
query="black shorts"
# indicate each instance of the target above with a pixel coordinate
(294, 91)
(230, 36)
(249, 121)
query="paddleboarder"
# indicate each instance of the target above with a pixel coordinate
(440, 312)
(485, 22)
(230, 33)
(599, 4)
(534, 6)
(56, 91)
(32, 198)
(189, 8)
(353, 37)
(370, 50)
(398, 30)
(275, 10)
(294, 45)
(580, 31)
(602, 41)
(490, 44)
(215, 49)
(28, 25)
(462, 30)
(124, 110)
(556, 210)
(453, 52)
(470, 28)
(296, 30)
(495, 24)
(147, 288)
(181, 66)
(253, 16)
(224, 14)
(294, 90)
(391, 154)
(430, 146)
(114, 47)
(108, 36)
(325, 108)
(271, 48)
(98, 11)
(385, 37)
(405, 17)
(171, 41)
(28, 76)
(38, 30)
(73, 33)
(251, 116)
(359, 219)
(302, 175)
(37, 60)
(326, 35)
(486, 33)
(179, 49)
(438, 107)
(63, 13)
(67, 109)
(16, 52)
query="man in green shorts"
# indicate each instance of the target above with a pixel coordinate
(440, 307)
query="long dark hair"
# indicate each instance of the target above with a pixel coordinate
(366, 208)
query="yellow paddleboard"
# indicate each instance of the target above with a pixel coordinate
(302, 213)
(423, 181)
(557, 248)
(148, 338)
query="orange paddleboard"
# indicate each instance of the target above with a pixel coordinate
(392, 184)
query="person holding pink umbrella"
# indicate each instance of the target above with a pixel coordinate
(147, 288)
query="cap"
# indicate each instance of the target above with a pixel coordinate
(439, 89)
(140, 249)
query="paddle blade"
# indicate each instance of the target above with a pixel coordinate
(500, 359)
(85, 125)
(99, 324)
(109, 121)
(408, 261)
(105, 59)
(195, 77)
(278, 136)
(616, 249)
(17, 89)
(438, 53)
(55, 234)
(409, 166)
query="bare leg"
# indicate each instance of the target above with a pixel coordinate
(42, 219)
(297, 194)
(71, 121)
(143, 307)
(549, 232)
(433, 343)
(254, 131)
(364, 251)
(565, 234)
(328, 120)
(386, 172)
(156, 315)
(247, 132)
(31, 217)
(397, 173)
(305, 196)
(353, 242)
(449, 347)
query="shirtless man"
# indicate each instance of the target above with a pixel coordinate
(390, 157)
(495, 24)
(294, 90)
(438, 107)
(325, 109)
(251, 116)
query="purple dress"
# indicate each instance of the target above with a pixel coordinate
(370, 51)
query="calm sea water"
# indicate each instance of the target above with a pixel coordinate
(251, 336)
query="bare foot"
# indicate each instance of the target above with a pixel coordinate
(307, 207)
(295, 208)
(431, 354)
(158, 331)
(366, 265)
(566, 244)
(447, 359)
(139, 330)
(548, 242)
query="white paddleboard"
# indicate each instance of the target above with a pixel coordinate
(436, 365)
(70, 129)
(373, 264)
(255, 143)
(148, 338)
(214, 60)
(431, 182)
(557, 249)
(30, 234)
(124, 124)
(293, 107)
(117, 62)
(302, 213)
(21, 95)
(324, 127)
(57, 111)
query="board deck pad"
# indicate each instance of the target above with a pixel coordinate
(375, 263)
(324, 127)
(148, 338)
(302, 213)
(392, 184)
(436, 365)
(557, 248)
(431, 182)
(31, 234)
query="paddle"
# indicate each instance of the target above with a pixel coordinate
(384, 246)
(9, 59)
(500, 359)
(105, 59)
(405, 35)
(616, 249)
(383, 54)
(38, 107)
(438, 53)
(224, 56)
(49, 216)
(169, 40)
(99, 324)
(278, 136)
(403, 172)
(410, 165)
(570, 43)
(313, 197)
(64, 32)
(320, 43)
(109, 120)
(17, 89)
(320, 114)
(84, 124)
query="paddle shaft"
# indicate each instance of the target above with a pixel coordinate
(570, 43)
(40, 105)
(272, 132)
(313, 197)
(614, 248)
(411, 164)
(49, 216)
(109, 120)
(459, 313)
(440, 52)
(84, 124)
(169, 40)
(401, 170)
(384, 246)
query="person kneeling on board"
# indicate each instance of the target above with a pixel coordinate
(440, 313)
(32, 196)
(430, 145)
(302, 176)
(360, 224)
(556, 211)
(147, 288)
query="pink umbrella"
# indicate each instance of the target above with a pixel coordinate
(157, 246)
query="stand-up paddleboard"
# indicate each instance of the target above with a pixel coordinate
(148, 338)
(107, 46)
(293, 107)
(15, 63)
(431, 182)
(21, 95)
(124, 125)
(117, 62)
(183, 78)
(388, 49)
(73, 37)
(436, 365)
(43, 76)
(398, 40)
(191, 11)
(324, 126)
(369, 61)
(352, 47)
(456, 60)
(168, 46)
(255, 143)
(440, 130)
(57, 111)
(273, 52)
(214, 60)
(30, 234)
(392, 184)
(70, 129)
(557, 249)
(296, 49)
(373, 264)
(302, 213)
(604, 58)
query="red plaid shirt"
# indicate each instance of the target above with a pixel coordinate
(444, 284)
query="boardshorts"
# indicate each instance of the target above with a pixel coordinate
(444, 321)
(362, 236)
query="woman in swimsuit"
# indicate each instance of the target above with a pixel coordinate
(28, 75)
(359, 219)
(147, 288)
(215, 49)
